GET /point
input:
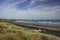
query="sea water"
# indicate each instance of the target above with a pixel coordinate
(55, 23)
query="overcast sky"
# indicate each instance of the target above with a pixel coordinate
(30, 9)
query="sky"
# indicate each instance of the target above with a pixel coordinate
(30, 9)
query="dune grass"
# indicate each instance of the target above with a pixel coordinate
(10, 31)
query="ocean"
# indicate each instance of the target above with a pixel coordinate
(48, 22)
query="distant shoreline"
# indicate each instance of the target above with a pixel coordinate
(50, 25)
(56, 27)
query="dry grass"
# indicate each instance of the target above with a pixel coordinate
(12, 32)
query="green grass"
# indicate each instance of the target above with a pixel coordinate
(10, 31)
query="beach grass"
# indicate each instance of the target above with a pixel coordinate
(10, 31)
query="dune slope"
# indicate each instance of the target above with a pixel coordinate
(10, 31)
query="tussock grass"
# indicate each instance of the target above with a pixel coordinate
(10, 31)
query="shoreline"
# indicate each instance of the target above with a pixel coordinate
(55, 27)
(53, 30)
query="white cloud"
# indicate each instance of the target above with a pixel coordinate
(10, 11)
(38, 0)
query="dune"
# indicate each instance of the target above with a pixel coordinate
(10, 31)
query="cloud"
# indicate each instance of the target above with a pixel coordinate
(38, 0)
(46, 3)
(29, 10)
(23, 5)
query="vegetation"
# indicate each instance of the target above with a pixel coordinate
(10, 31)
